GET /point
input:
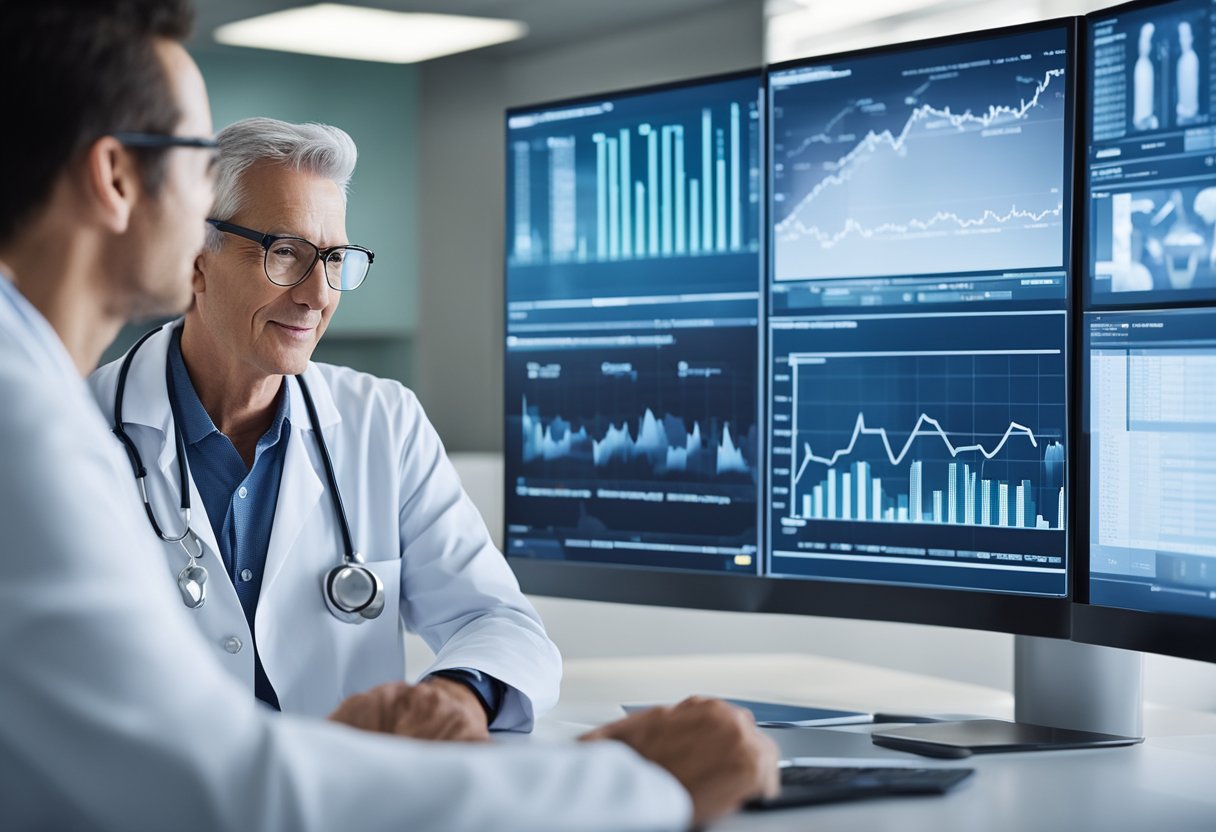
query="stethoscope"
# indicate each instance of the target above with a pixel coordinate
(353, 593)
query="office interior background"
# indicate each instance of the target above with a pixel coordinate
(428, 197)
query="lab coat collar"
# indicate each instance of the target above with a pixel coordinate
(47, 347)
(147, 397)
(146, 400)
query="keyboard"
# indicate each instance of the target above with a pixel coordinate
(808, 785)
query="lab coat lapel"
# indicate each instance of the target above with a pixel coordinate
(300, 489)
(147, 403)
(200, 523)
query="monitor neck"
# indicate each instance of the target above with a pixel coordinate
(1063, 684)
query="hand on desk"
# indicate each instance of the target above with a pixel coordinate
(436, 709)
(712, 748)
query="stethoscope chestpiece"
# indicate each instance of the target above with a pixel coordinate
(353, 592)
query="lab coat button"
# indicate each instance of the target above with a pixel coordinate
(232, 644)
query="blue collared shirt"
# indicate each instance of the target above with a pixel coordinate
(240, 501)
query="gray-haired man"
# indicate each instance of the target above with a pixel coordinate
(219, 383)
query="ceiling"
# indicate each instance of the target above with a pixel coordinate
(550, 22)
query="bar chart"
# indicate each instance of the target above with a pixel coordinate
(920, 420)
(853, 492)
(637, 179)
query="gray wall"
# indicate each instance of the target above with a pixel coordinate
(460, 335)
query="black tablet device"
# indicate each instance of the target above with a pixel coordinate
(990, 736)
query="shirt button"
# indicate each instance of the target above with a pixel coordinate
(246, 575)
(243, 492)
(232, 644)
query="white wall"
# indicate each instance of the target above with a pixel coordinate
(458, 358)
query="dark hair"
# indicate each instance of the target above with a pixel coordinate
(74, 71)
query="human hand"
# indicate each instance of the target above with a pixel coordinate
(711, 747)
(435, 709)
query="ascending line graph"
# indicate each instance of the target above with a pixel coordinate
(921, 436)
(880, 173)
(886, 141)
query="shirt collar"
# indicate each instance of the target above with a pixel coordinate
(188, 410)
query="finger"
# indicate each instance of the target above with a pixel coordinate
(595, 734)
(770, 774)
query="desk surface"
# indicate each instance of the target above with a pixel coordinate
(1167, 783)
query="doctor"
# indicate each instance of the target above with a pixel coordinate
(270, 539)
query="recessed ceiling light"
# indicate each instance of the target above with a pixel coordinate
(339, 31)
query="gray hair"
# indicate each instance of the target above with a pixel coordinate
(319, 149)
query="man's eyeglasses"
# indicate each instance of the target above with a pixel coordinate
(154, 140)
(289, 260)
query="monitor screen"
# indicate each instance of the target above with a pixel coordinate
(1150, 414)
(1151, 155)
(633, 287)
(918, 326)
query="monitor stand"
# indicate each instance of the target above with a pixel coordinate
(1079, 686)
(1066, 695)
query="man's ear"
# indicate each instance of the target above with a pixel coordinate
(198, 281)
(112, 184)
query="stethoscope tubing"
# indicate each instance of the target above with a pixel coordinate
(141, 473)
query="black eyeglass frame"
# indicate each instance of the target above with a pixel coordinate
(268, 240)
(154, 140)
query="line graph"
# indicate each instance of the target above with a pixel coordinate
(880, 172)
(828, 239)
(861, 430)
(931, 433)
(874, 142)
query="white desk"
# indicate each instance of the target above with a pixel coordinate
(1167, 784)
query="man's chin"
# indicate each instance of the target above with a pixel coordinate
(291, 365)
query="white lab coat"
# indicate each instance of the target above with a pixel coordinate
(409, 518)
(115, 713)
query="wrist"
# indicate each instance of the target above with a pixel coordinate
(462, 688)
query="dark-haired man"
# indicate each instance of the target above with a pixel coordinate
(114, 714)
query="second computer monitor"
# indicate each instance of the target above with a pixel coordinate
(918, 325)
(1147, 575)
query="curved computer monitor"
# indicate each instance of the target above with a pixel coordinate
(879, 384)
(1146, 579)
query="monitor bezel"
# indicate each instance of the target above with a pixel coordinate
(970, 609)
(1168, 634)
